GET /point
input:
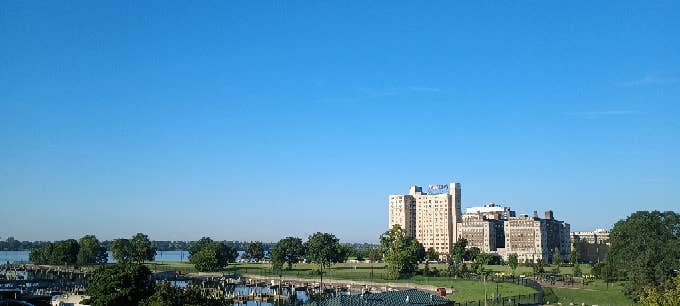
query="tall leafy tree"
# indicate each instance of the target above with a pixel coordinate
(91, 251)
(513, 262)
(456, 267)
(324, 249)
(577, 270)
(209, 255)
(57, 253)
(254, 251)
(199, 245)
(66, 252)
(471, 254)
(481, 261)
(574, 257)
(141, 249)
(538, 267)
(289, 250)
(645, 248)
(556, 257)
(121, 250)
(121, 284)
(401, 253)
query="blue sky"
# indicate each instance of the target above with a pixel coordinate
(256, 120)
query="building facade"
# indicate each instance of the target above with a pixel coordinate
(432, 218)
(482, 232)
(526, 237)
(533, 238)
(598, 236)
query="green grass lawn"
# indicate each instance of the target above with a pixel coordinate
(597, 293)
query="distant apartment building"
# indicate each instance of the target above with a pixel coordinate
(402, 213)
(432, 218)
(482, 232)
(533, 238)
(598, 236)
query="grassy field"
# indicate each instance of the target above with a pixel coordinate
(597, 293)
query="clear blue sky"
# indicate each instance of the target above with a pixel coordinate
(255, 120)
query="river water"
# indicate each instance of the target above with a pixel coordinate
(22, 256)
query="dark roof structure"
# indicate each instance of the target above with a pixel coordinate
(411, 297)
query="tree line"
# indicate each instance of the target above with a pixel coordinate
(322, 248)
(129, 283)
(90, 251)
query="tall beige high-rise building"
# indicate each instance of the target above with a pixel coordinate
(432, 218)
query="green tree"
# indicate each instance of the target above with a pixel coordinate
(121, 250)
(654, 297)
(538, 267)
(199, 245)
(556, 261)
(58, 253)
(344, 251)
(39, 256)
(401, 253)
(481, 261)
(577, 270)
(141, 249)
(121, 284)
(574, 257)
(324, 249)
(455, 265)
(208, 255)
(66, 252)
(513, 262)
(168, 295)
(374, 255)
(557, 257)
(431, 254)
(205, 260)
(471, 254)
(605, 271)
(254, 251)
(289, 250)
(645, 249)
(91, 251)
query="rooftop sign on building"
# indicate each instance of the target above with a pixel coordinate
(436, 189)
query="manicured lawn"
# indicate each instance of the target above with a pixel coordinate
(596, 294)
(162, 266)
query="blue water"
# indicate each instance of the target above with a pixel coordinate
(22, 256)
(13, 256)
